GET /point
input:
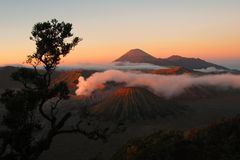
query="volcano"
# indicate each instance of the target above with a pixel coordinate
(139, 56)
(134, 103)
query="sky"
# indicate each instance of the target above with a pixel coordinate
(207, 29)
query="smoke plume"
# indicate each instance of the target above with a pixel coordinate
(166, 85)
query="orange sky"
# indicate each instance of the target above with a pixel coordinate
(106, 54)
(204, 29)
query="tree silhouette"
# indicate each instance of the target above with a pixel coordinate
(31, 120)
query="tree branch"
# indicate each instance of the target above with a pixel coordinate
(63, 120)
(42, 112)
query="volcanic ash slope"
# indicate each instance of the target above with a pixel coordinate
(134, 103)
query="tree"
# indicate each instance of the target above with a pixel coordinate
(31, 120)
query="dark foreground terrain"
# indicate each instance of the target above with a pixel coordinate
(219, 140)
(200, 110)
(202, 113)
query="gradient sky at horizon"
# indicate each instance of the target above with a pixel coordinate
(208, 29)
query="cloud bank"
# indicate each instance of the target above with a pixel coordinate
(115, 66)
(168, 86)
(210, 70)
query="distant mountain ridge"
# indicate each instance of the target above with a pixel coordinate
(139, 56)
(171, 71)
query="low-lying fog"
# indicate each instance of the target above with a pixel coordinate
(166, 85)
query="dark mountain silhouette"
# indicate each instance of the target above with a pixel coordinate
(68, 76)
(6, 80)
(191, 63)
(134, 103)
(139, 56)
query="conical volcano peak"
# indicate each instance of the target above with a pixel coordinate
(137, 51)
(137, 56)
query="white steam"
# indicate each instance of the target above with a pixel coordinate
(116, 66)
(167, 86)
(209, 70)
